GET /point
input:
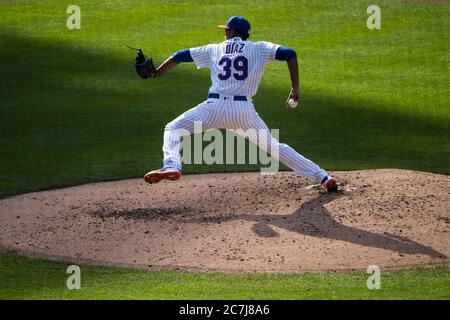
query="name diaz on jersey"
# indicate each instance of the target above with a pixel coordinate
(234, 48)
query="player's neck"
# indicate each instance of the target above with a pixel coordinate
(236, 38)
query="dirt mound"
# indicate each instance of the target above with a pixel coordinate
(238, 222)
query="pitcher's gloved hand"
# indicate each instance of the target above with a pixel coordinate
(144, 66)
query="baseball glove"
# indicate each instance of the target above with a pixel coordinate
(144, 65)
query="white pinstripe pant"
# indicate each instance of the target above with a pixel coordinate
(224, 113)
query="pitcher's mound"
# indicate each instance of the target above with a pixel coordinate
(238, 222)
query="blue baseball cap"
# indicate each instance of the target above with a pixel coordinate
(237, 23)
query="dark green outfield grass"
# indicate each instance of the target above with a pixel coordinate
(72, 110)
(25, 278)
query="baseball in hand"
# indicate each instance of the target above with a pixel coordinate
(292, 103)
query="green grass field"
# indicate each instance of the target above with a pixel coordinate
(24, 278)
(73, 111)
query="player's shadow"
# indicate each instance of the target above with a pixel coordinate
(314, 219)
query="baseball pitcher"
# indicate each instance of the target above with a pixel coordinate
(237, 66)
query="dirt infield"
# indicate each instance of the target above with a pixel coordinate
(241, 222)
(431, 1)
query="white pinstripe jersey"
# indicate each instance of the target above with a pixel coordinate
(236, 65)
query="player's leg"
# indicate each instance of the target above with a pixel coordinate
(183, 125)
(284, 153)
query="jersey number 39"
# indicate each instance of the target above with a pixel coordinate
(240, 65)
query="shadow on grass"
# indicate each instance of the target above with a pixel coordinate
(79, 115)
